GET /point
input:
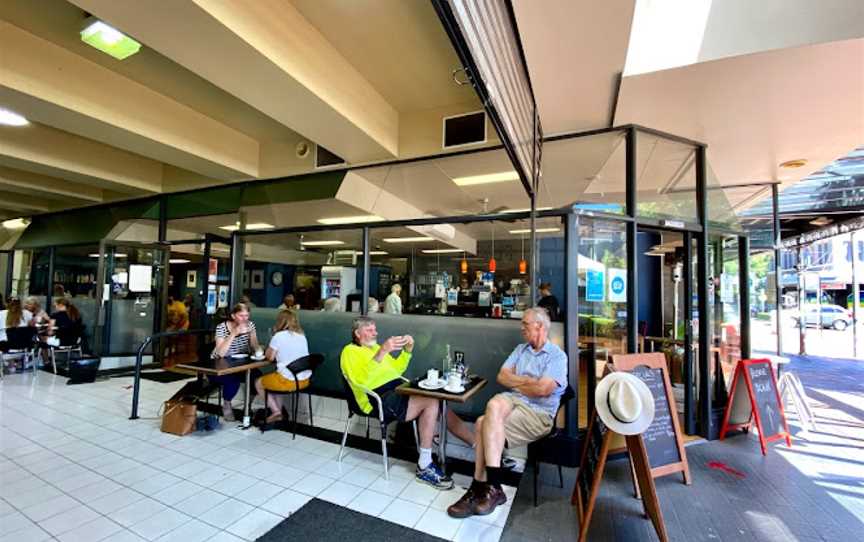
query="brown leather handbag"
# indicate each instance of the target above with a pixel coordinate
(178, 416)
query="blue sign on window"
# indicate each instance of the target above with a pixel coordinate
(594, 285)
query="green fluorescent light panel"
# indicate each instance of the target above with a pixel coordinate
(109, 40)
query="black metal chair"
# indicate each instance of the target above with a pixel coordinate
(70, 342)
(306, 363)
(20, 343)
(545, 450)
(354, 409)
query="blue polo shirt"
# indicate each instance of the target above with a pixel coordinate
(550, 361)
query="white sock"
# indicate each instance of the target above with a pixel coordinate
(425, 458)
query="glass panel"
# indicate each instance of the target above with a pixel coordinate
(727, 333)
(666, 178)
(190, 278)
(134, 276)
(602, 269)
(75, 278)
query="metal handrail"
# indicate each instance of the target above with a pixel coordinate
(139, 359)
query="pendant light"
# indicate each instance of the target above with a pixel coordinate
(463, 265)
(492, 263)
(523, 265)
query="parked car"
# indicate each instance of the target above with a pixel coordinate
(833, 316)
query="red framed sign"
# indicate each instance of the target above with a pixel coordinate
(754, 398)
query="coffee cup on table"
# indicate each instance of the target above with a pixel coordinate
(432, 376)
(454, 381)
(259, 352)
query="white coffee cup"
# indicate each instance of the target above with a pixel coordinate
(432, 376)
(454, 381)
(259, 353)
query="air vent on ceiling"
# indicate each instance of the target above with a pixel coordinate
(465, 129)
(326, 159)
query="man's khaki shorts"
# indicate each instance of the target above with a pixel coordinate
(524, 424)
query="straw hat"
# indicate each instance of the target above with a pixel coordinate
(624, 403)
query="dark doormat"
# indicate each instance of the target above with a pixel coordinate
(324, 522)
(164, 376)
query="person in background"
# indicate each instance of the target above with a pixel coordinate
(288, 303)
(287, 345)
(332, 304)
(40, 317)
(549, 302)
(536, 373)
(14, 315)
(246, 301)
(372, 305)
(366, 363)
(235, 336)
(68, 327)
(393, 303)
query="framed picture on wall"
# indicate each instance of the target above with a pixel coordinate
(258, 279)
(191, 278)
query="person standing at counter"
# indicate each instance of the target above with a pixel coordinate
(234, 337)
(536, 373)
(366, 363)
(393, 303)
(549, 302)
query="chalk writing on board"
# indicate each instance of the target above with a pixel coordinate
(660, 440)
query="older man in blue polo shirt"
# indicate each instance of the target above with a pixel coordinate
(536, 373)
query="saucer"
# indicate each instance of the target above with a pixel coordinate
(239, 356)
(460, 389)
(426, 385)
(256, 358)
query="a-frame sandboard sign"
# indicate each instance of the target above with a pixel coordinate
(592, 466)
(663, 440)
(754, 398)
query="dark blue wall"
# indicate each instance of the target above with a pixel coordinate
(649, 272)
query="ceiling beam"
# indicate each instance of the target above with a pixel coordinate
(45, 150)
(16, 180)
(54, 86)
(279, 64)
(24, 203)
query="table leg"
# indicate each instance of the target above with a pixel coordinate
(442, 438)
(247, 419)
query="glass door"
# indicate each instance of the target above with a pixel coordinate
(132, 295)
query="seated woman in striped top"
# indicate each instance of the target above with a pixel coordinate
(235, 336)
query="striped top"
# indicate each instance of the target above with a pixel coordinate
(240, 343)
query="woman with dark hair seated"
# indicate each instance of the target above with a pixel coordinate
(234, 337)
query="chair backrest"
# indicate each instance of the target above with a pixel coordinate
(349, 396)
(306, 363)
(565, 398)
(20, 338)
(69, 336)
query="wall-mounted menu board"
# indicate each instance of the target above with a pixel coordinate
(754, 398)
(663, 440)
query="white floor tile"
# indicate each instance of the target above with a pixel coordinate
(438, 523)
(68, 520)
(34, 496)
(340, 493)
(51, 507)
(178, 492)
(392, 487)
(30, 533)
(286, 503)
(92, 531)
(370, 503)
(361, 477)
(419, 493)
(259, 493)
(155, 483)
(446, 498)
(192, 531)
(124, 536)
(14, 522)
(225, 536)
(201, 502)
(254, 524)
(137, 512)
(472, 530)
(115, 501)
(312, 484)
(160, 524)
(226, 513)
(402, 512)
(96, 490)
(285, 476)
(233, 484)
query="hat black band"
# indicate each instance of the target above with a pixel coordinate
(611, 411)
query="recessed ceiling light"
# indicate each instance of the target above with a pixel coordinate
(96, 255)
(538, 230)
(792, 164)
(321, 243)
(373, 253)
(16, 223)
(525, 210)
(349, 220)
(407, 239)
(249, 227)
(503, 177)
(108, 39)
(11, 118)
(441, 250)
(179, 260)
(821, 221)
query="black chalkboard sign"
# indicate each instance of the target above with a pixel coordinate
(753, 398)
(588, 469)
(660, 438)
(663, 441)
